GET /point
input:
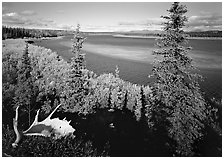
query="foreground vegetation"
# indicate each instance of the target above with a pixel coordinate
(111, 116)
(105, 91)
(37, 146)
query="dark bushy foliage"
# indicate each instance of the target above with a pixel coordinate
(37, 146)
(211, 143)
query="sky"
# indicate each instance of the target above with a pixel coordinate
(107, 16)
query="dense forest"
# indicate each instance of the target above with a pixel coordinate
(111, 117)
(214, 33)
(13, 33)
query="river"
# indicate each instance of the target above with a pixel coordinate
(134, 58)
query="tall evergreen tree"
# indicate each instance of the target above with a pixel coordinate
(24, 92)
(125, 107)
(77, 81)
(79, 58)
(117, 71)
(143, 104)
(178, 100)
(109, 105)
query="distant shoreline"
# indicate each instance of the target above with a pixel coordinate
(154, 37)
(48, 38)
(206, 38)
(134, 36)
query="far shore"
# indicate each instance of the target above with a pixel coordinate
(154, 37)
(43, 38)
(47, 38)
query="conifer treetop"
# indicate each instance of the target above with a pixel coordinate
(78, 41)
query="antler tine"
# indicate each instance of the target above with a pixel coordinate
(15, 125)
(36, 117)
(16, 117)
(53, 111)
(35, 122)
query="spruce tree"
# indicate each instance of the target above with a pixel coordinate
(178, 100)
(24, 92)
(143, 108)
(77, 81)
(78, 61)
(117, 71)
(109, 103)
(125, 107)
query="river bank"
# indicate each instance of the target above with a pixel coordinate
(155, 37)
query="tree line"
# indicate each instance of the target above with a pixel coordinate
(11, 32)
(205, 34)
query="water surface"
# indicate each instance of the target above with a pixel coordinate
(134, 58)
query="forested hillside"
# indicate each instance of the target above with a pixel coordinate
(13, 33)
(48, 87)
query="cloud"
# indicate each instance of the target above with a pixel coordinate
(65, 27)
(97, 28)
(28, 13)
(25, 19)
(10, 14)
(202, 22)
(4, 9)
(60, 11)
(21, 20)
(205, 21)
(12, 18)
(148, 24)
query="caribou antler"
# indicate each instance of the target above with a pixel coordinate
(15, 126)
(33, 128)
(45, 128)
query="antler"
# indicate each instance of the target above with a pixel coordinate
(43, 128)
(15, 126)
(35, 122)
